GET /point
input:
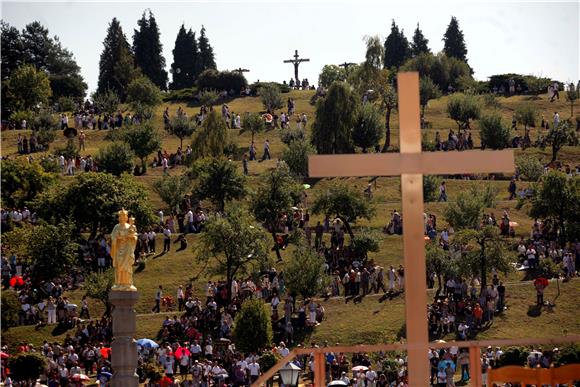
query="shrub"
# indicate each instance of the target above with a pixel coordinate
(296, 156)
(268, 360)
(526, 115)
(142, 91)
(253, 329)
(27, 366)
(548, 268)
(493, 133)
(431, 188)
(271, 97)
(208, 97)
(10, 309)
(212, 79)
(530, 168)
(20, 115)
(513, 356)
(106, 102)
(116, 158)
(491, 101)
(66, 104)
(70, 151)
(568, 354)
(292, 135)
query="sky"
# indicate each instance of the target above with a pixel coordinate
(531, 37)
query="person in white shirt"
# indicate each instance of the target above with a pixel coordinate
(371, 377)
(165, 165)
(282, 350)
(169, 362)
(254, 369)
(151, 241)
(166, 239)
(184, 364)
(180, 298)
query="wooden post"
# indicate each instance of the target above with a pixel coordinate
(475, 365)
(413, 233)
(319, 369)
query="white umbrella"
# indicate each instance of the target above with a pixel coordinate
(360, 368)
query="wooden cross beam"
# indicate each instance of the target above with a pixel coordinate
(346, 65)
(411, 164)
(296, 62)
(241, 70)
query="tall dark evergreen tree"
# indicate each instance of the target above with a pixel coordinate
(397, 49)
(454, 41)
(185, 59)
(148, 51)
(116, 67)
(12, 49)
(206, 56)
(419, 45)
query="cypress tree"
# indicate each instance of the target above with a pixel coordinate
(206, 56)
(419, 45)
(454, 42)
(397, 49)
(149, 51)
(185, 58)
(116, 67)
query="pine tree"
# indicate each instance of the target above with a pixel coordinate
(12, 49)
(116, 67)
(420, 43)
(206, 56)
(148, 51)
(397, 49)
(454, 42)
(185, 58)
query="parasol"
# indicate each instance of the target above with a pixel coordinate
(514, 224)
(4, 355)
(360, 368)
(147, 343)
(337, 383)
(306, 186)
(16, 281)
(80, 378)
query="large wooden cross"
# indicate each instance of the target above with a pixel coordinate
(296, 62)
(411, 164)
(240, 71)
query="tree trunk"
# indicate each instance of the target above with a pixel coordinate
(387, 131)
(438, 291)
(276, 247)
(181, 142)
(555, 150)
(483, 266)
(229, 284)
(346, 225)
(143, 166)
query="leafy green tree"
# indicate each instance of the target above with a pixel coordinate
(335, 117)
(12, 49)
(494, 134)
(275, 196)
(271, 97)
(363, 243)
(486, 250)
(556, 200)
(149, 51)
(107, 101)
(572, 95)
(427, 91)
(345, 202)
(431, 185)
(559, 136)
(143, 140)
(69, 151)
(253, 123)
(206, 56)
(454, 41)
(388, 102)
(465, 212)
(116, 158)
(443, 70)
(305, 273)
(182, 127)
(22, 182)
(116, 67)
(530, 168)
(367, 131)
(439, 261)
(375, 53)
(27, 367)
(98, 286)
(172, 189)
(420, 44)
(296, 156)
(219, 180)
(25, 89)
(289, 135)
(233, 245)
(397, 49)
(462, 109)
(252, 327)
(212, 139)
(93, 200)
(11, 306)
(331, 74)
(526, 115)
(185, 66)
(142, 91)
(50, 250)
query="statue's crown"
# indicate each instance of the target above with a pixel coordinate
(123, 211)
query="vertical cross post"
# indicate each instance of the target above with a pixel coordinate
(413, 234)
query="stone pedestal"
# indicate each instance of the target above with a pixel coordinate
(124, 347)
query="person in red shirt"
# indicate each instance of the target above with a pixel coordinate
(478, 314)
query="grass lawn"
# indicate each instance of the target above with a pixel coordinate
(370, 321)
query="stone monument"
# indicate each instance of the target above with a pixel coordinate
(124, 296)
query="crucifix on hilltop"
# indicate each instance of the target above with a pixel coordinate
(296, 62)
(240, 71)
(411, 164)
(346, 65)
